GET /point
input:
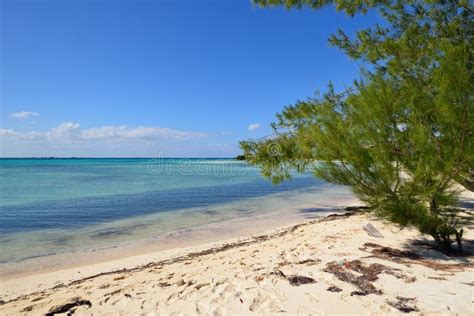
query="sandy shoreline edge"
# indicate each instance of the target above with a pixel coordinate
(295, 269)
(169, 256)
(154, 241)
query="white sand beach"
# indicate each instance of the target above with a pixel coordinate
(328, 265)
(221, 158)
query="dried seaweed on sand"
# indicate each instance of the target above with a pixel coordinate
(404, 304)
(363, 282)
(67, 306)
(295, 280)
(410, 257)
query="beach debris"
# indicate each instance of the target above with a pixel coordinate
(329, 239)
(278, 273)
(363, 282)
(400, 275)
(389, 253)
(409, 257)
(58, 286)
(295, 280)
(336, 216)
(309, 262)
(259, 278)
(370, 272)
(63, 308)
(334, 289)
(113, 292)
(404, 304)
(356, 208)
(359, 293)
(372, 231)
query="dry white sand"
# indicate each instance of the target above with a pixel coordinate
(342, 268)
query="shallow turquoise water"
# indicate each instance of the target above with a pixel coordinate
(55, 205)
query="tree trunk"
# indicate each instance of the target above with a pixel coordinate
(459, 239)
(433, 206)
(443, 242)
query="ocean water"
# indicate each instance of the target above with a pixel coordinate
(53, 206)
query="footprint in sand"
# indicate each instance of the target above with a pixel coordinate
(201, 308)
(313, 298)
(218, 311)
(266, 303)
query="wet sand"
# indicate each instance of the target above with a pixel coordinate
(149, 234)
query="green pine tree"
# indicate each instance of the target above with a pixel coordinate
(403, 136)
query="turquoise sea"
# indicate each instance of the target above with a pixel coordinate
(52, 206)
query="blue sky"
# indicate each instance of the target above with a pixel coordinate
(158, 78)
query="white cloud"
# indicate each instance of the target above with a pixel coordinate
(7, 132)
(126, 132)
(24, 115)
(70, 139)
(65, 131)
(253, 127)
(71, 132)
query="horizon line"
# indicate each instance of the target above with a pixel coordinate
(152, 157)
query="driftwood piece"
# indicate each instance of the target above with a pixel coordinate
(372, 231)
